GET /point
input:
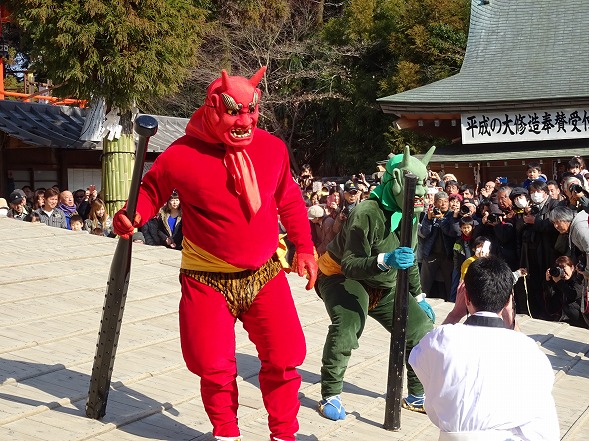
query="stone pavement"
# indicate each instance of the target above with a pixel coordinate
(51, 294)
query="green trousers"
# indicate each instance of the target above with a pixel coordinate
(346, 301)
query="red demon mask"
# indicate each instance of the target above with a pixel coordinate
(229, 117)
(230, 112)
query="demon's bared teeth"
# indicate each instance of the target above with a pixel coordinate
(241, 133)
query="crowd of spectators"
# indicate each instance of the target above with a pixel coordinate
(84, 211)
(537, 225)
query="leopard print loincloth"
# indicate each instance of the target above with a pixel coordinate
(240, 289)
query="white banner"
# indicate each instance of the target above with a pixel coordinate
(531, 125)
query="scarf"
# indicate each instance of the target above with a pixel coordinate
(237, 161)
(67, 209)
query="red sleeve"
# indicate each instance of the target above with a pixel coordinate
(155, 188)
(292, 210)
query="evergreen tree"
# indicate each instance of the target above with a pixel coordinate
(117, 50)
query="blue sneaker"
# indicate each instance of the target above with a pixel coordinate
(414, 403)
(332, 408)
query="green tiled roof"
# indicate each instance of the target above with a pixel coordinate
(520, 53)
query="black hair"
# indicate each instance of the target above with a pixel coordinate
(467, 187)
(479, 241)
(489, 283)
(552, 182)
(538, 185)
(572, 163)
(535, 166)
(29, 217)
(466, 220)
(76, 218)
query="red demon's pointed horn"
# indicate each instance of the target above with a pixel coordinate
(255, 80)
(224, 80)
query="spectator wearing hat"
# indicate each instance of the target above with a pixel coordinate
(437, 263)
(322, 228)
(351, 195)
(138, 237)
(18, 205)
(3, 207)
(448, 177)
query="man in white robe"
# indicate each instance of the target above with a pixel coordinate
(483, 381)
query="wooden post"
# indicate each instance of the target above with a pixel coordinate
(392, 415)
(2, 78)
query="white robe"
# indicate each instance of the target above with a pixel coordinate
(481, 378)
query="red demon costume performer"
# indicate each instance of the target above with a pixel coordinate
(233, 180)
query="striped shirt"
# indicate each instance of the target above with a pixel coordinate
(55, 219)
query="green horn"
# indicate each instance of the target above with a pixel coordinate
(426, 158)
(406, 156)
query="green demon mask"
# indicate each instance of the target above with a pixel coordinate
(391, 191)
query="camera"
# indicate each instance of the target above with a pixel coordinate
(492, 217)
(502, 179)
(345, 211)
(580, 266)
(575, 188)
(556, 271)
(534, 210)
(464, 210)
(436, 211)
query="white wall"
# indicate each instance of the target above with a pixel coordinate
(82, 178)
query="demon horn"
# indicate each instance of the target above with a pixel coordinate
(255, 80)
(224, 80)
(406, 155)
(428, 156)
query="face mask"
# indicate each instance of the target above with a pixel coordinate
(537, 197)
(521, 202)
(3, 212)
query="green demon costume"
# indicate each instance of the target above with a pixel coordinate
(358, 279)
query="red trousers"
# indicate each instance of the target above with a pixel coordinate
(207, 334)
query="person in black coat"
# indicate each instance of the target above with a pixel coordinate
(563, 292)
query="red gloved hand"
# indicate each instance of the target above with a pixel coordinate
(122, 225)
(307, 262)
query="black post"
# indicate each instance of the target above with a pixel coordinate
(392, 417)
(116, 290)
